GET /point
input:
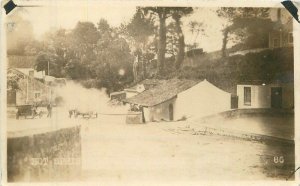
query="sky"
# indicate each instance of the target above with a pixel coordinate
(48, 18)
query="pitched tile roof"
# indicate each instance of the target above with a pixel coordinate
(161, 92)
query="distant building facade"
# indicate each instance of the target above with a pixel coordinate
(32, 88)
(282, 34)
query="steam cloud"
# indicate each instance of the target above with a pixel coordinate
(75, 96)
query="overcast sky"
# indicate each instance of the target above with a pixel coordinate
(54, 17)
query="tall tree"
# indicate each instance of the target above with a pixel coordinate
(177, 14)
(140, 32)
(196, 28)
(53, 54)
(162, 13)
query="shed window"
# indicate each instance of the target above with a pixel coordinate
(247, 95)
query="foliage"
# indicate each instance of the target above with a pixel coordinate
(244, 25)
(177, 14)
(196, 29)
(227, 72)
(161, 13)
(13, 83)
(140, 32)
(96, 57)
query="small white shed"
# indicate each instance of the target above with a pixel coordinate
(177, 99)
(274, 95)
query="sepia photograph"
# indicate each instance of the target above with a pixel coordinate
(162, 94)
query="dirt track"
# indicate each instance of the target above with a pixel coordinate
(115, 151)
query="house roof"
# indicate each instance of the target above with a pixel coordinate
(37, 75)
(161, 92)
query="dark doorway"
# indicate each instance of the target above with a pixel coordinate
(276, 97)
(171, 112)
(234, 101)
(11, 97)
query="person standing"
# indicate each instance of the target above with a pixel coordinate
(135, 68)
(49, 108)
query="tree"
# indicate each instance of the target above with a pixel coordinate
(254, 32)
(94, 56)
(162, 14)
(54, 53)
(196, 28)
(139, 32)
(238, 20)
(177, 14)
(113, 67)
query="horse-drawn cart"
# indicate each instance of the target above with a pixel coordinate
(28, 111)
(75, 113)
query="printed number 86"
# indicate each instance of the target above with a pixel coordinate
(279, 159)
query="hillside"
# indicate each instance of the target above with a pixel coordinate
(266, 66)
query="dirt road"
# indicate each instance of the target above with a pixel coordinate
(115, 151)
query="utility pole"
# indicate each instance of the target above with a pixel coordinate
(48, 66)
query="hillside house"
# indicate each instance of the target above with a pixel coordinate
(282, 34)
(32, 87)
(178, 99)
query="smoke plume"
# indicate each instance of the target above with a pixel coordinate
(75, 96)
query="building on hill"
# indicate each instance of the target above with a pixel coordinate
(32, 87)
(282, 34)
(177, 99)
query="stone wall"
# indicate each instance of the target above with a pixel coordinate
(51, 156)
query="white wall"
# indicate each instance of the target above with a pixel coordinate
(201, 100)
(261, 96)
(130, 94)
(161, 111)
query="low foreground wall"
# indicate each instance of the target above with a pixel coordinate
(51, 156)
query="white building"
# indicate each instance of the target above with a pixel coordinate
(275, 95)
(177, 99)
